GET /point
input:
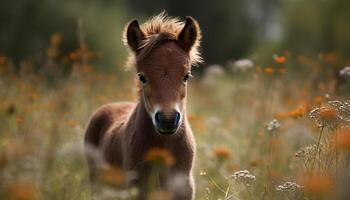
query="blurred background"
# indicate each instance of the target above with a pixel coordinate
(231, 29)
(277, 71)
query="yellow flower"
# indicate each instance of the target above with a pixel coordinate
(160, 156)
(222, 153)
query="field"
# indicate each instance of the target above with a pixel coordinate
(272, 127)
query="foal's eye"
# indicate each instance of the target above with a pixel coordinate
(186, 77)
(142, 78)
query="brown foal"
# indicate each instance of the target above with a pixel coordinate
(163, 50)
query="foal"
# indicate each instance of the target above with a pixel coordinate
(162, 50)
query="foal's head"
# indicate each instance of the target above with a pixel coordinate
(163, 50)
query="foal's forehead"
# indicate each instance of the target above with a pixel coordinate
(168, 56)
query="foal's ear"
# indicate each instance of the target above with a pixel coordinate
(134, 35)
(190, 34)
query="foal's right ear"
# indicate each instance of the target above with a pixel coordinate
(134, 35)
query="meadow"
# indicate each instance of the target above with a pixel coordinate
(269, 127)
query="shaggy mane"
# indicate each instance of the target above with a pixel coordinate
(158, 29)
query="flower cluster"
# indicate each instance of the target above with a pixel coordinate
(306, 152)
(345, 72)
(273, 125)
(335, 113)
(241, 65)
(244, 176)
(288, 186)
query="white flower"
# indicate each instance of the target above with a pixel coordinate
(241, 65)
(214, 70)
(345, 72)
(244, 176)
(273, 125)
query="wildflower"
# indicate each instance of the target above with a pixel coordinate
(328, 113)
(291, 189)
(335, 113)
(222, 153)
(299, 112)
(244, 176)
(273, 125)
(269, 70)
(306, 152)
(111, 175)
(324, 116)
(343, 109)
(288, 186)
(19, 120)
(279, 59)
(241, 65)
(160, 156)
(345, 72)
(22, 191)
(214, 70)
(318, 184)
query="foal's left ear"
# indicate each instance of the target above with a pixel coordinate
(133, 35)
(190, 34)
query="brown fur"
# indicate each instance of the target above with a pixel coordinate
(124, 131)
(158, 29)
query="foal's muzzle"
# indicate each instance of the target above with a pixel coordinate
(167, 122)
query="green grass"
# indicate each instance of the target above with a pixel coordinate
(43, 122)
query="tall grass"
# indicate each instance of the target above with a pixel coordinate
(255, 137)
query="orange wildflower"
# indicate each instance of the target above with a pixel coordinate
(222, 153)
(269, 70)
(279, 59)
(317, 184)
(328, 113)
(21, 191)
(19, 120)
(299, 112)
(160, 156)
(111, 175)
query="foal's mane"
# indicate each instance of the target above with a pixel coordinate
(157, 30)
